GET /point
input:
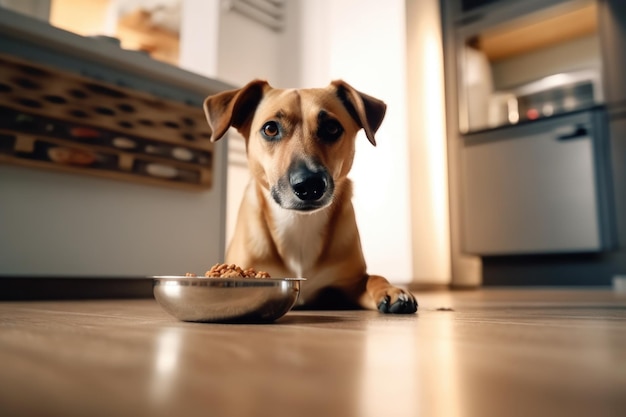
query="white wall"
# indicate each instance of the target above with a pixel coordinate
(427, 143)
(199, 34)
(66, 224)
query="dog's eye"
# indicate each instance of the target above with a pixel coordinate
(271, 130)
(330, 130)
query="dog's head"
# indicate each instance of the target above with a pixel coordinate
(300, 143)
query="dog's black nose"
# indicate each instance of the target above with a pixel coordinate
(308, 185)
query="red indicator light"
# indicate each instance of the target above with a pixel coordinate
(532, 114)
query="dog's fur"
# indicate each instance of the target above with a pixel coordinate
(296, 218)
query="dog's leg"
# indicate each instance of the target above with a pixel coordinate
(387, 298)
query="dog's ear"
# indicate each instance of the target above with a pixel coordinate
(366, 110)
(233, 108)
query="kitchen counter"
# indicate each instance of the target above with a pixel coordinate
(99, 58)
(466, 353)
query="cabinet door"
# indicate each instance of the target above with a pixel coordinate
(533, 189)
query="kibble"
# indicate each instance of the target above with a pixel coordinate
(234, 271)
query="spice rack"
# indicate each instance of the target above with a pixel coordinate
(63, 121)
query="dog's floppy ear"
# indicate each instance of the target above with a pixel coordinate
(366, 110)
(233, 108)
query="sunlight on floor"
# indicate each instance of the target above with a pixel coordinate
(396, 359)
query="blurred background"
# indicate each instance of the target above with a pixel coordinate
(500, 160)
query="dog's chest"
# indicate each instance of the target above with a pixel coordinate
(299, 238)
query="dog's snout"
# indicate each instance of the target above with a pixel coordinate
(308, 185)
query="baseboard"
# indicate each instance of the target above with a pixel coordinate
(63, 288)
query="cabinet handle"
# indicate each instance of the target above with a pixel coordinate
(572, 132)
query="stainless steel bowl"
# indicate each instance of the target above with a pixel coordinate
(226, 299)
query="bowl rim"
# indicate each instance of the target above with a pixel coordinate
(217, 279)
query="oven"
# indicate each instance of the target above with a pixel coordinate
(540, 188)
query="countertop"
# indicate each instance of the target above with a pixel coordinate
(37, 40)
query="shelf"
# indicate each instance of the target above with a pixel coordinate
(58, 120)
(515, 40)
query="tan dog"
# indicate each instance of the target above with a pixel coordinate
(296, 217)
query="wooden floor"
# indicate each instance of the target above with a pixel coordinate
(498, 353)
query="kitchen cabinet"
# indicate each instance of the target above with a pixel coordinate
(538, 188)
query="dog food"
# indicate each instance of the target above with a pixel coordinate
(231, 271)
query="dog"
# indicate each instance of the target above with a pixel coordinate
(296, 218)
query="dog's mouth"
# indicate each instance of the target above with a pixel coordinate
(305, 187)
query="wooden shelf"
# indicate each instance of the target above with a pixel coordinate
(519, 39)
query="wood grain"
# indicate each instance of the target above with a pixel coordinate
(497, 353)
(530, 36)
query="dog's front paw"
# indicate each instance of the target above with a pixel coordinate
(397, 301)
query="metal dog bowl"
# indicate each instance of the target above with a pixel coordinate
(217, 300)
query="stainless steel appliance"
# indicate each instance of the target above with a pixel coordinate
(531, 60)
(540, 188)
(535, 163)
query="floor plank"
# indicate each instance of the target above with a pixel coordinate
(499, 352)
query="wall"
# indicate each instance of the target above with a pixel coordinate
(427, 144)
(62, 224)
(199, 32)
